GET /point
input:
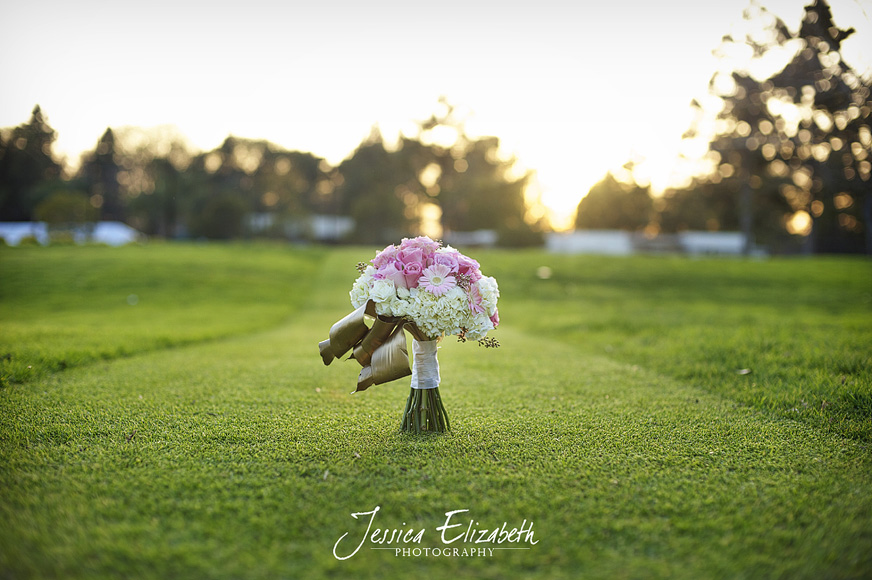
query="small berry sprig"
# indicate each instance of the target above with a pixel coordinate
(464, 281)
(486, 342)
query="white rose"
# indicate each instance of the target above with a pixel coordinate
(382, 291)
(360, 291)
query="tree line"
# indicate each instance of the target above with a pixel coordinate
(789, 163)
(251, 187)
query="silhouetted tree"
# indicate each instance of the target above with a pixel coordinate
(377, 190)
(222, 217)
(798, 141)
(150, 179)
(100, 170)
(26, 162)
(612, 204)
(475, 185)
(835, 143)
(483, 195)
(155, 211)
(292, 183)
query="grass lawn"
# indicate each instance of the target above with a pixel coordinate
(650, 417)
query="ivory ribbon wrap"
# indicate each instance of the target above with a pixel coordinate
(380, 350)
(425, 367)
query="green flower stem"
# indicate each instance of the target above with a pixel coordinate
(425, 412)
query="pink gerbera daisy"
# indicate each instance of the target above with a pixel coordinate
(475, 300)
(436, 279)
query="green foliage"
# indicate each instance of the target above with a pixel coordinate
(484, 195)
(244, 457)
(613, 205)
(222, 218)
(156, 183)
(66, 208)
(377, 188)
(705, 207)
(157, 213)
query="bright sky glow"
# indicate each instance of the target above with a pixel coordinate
(572, 90)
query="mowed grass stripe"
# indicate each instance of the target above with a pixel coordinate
(64, 307)
(792, 336)
(244, 458)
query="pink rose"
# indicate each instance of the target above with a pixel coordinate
(411, 256)
(394, 273)
(422, 242)
(468, 266)
(412, 272)
(495, 318)
(447, 259)
(385, 257)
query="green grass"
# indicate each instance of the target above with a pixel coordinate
(70, 306)
(792, 336)
(612, 418)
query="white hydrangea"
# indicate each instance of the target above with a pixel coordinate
(398, 306)
(478, 327)
(435, 315)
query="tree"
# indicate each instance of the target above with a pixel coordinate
(475, 185)
(26, 161)
(378, 189)
(479, 191)
(66, 209)
(833, 147)
(155, 177)
(221, 218)
(100, 170)
(290, 186)
(612, 204)
(439, 179)
(796, 144)
(155, 211)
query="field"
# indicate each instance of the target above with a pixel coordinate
(164, 414)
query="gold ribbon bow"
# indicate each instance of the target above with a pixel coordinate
(380, 350)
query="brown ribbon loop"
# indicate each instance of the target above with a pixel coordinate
(390, 362)
(344, 335)
(377, 336)
(380, 350)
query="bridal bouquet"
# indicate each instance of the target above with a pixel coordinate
(430, 290)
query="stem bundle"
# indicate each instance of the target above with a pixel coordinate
(425, 412)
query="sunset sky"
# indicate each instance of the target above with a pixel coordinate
(571, 89)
